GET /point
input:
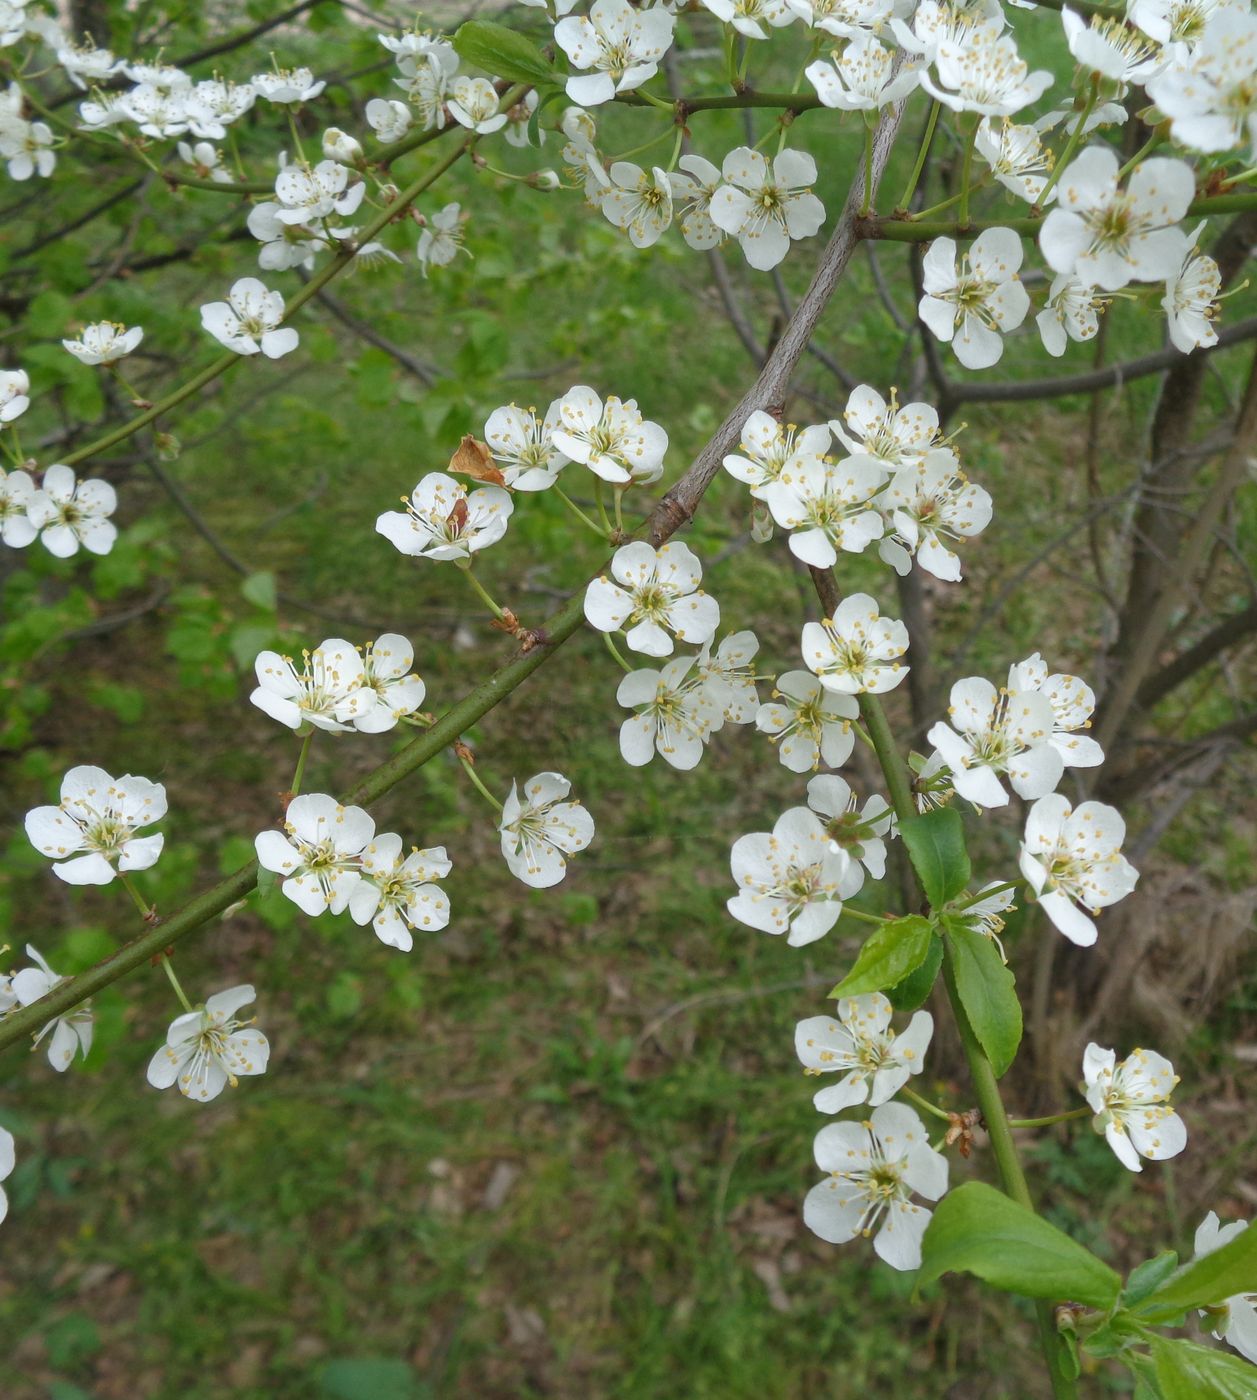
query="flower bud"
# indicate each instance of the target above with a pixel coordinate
(338, 145)
(544, 180)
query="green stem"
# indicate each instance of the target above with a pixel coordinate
(916, 1098)
(140, 903)
(850, 913)
(1052, 1118)
(485, 596)
(174, 982)
(295, 789)
(986, 894)
(576, 510)
(1146, 149)
(1071, 145)
(905, 199)
(478, 784)
(615, 651)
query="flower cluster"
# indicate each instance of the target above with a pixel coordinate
(64, 513)
(339, 686)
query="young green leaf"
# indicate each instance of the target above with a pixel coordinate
(936, 844)
(978, 1230)
(912, 992)
(1210, 1279)
(1185, 1371)
(988, 992)
(502, 52)
(894, 950)
(1145, 1278)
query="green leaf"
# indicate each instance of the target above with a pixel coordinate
(1145, 1278)
(1185, 1371)
(988, 992)
(978, 1230)
(894, 950)
(936, 844)
(502, 52)
(1211, 1279)
(913, 991)
(259, 589)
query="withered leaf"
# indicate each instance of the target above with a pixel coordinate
(474, 459)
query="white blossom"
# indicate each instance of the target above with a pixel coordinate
(638, 202)
(847, 19)
(790, 880)
(1111, 47)
(248, 321)
(338, 145)
(398, 893)
(214, 104)
(442, 521)
(674, 715)
(104, 342)
(158, 111)
(612, 439)
(17, 490)
(389, 120)
(523, 446)
(1181, 23)
(68, 1034)
(91, 833)
(1072, 859)
(539, 830)
(874, 1062)
(622, 45)
(828, 506)
(996, 732)
(897, 435)
(1017, 157)
(7, 1163)
(856, 650)
(728, 677)
(284, 245)
(980, 71)
(1130, 1099)
(750, 16)
(440, 241)
(1108, 237)
(1234, 1320)
(766, 206)
(1191, 301)
(1071, 313)
(391, 688)
(26, 147)
(71, 513)
(1073, 702)
(772, 448)
(209, 1048)
(287, 86)
(15, 387)
(520, 117)
(1209, 95)
(207, 161)
(655, 593)
(473, 103)
(973, 304)
(86, 65)
(927, 505)
(319, 853)
(938, 22)
(308, 194)
(860, 79)
(692, 188)
(856, 831)
(874, 1169)
(809, 724)
(329, 691)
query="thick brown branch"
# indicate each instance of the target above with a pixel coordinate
(1229, 631)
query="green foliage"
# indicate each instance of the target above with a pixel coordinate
(1212, 1278)
(914, 990)
(1179, 1370)
(978, 1230)
(503, 52)
(988, 992)
(936, 845)
(893, 951)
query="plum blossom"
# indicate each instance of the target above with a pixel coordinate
(1107, 237)
(656, 593)
(1234, 1320)
(214, 104)
(622, 45)
(307, 194)
(17, 490)
(874, 1169)
(474, 104)
(612, 439)
(898, 435)
(675, 715)
(772, 449)
(766, 206)
(749, 16)
(1071, 313)
(728, 677)
(1072, 859)
(15, 387)
(284, 245)
(790, 880)
(861, 78)
(996, 732)
(1178, 22)
(856, 832)
(856, 650)
(398, 894)
(104, 343)
(523, 446)
(973, 304)
(390, 688)
(1191, 301)
(86, 65)
(1017, 157)
(389, 120)
(442, 521)
(248, 321)
(71, 513)
(207, 161)
(1208, 94)
(926, 505)
(426, 77)
(846, 19)
(287, 86)
(639, 203)
(91, 833)
(329, 692)
(980, 71)
(828, 506)
(936, 23)
(319, 852)
(440, 241)
(160, 112)
(68, 1034)
(208, 1048)
(809, 724)
(338, 145)
(1130, 1099)
(7, 1162)
(1111, 47)
(540, 830)
(984, 912)
(1073, 702)
(26, 148)
(875, 1062)
(692, 188)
